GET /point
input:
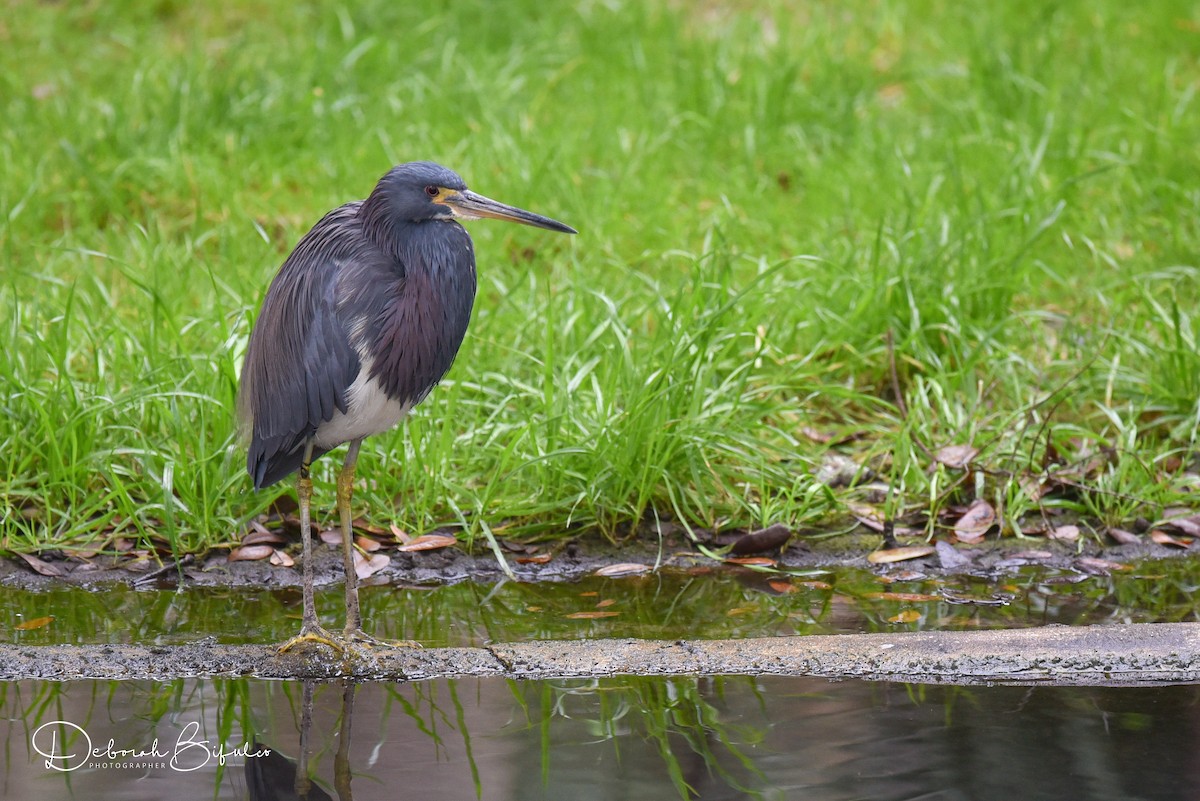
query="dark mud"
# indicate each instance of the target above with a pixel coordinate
(1137, 654)
(578, 558)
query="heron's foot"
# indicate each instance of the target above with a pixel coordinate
(314, 633)
(360, 637)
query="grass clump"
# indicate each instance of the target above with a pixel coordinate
(880, 228)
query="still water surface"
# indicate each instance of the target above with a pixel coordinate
(623, 738)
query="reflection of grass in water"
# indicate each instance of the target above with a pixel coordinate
(660, 606)
(677, 715)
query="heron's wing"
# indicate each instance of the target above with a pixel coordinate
(300, 360)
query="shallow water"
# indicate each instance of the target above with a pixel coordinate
(701, 604)
(630, 738)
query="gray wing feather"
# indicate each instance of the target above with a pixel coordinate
(300, 361)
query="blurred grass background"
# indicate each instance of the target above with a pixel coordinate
(787, 212)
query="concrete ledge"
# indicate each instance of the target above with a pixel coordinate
(1107, 655)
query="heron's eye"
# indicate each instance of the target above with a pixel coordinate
(431, 190)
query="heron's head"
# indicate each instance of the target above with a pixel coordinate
(421, 190)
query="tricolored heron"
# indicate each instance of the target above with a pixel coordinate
(361, 322)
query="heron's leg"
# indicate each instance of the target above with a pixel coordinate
(310, 626)
(354, 632)
(345, 490)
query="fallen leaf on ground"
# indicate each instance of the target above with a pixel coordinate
(622, 569)
(1163, 538)
(329, 536)
(1065, 533)
(979, 517)
(250, 553)
(605, 602)
(900, 554)
(261, 535)
(361, 524)
(369, 566)
(957, 456)
(869, 516)
(1186, 520)
(907, 616)
(429, 542)
(282, 559)
(400, 534)
(766, 539)
(915, 597)
(1124, 537)
(40, 566)
(367, 543)
(536, 559)
(590, 615)
(34, 623)
(781, 586)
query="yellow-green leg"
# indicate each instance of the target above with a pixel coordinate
(310, 627)
(345, 491)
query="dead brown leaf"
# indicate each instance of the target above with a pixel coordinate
(1064, 533)
(365, 566)
(429, 542)
(590, 615)
(368, 544)
(1163, 538)
(869, 516)
(361, 524)
(622, 569)
(536, 559)
(956, 456)
(907, 616)
(605, 602)
(1124, 537)
(262, 535)
(901, 554)
(40, 566)
(34, 623)
(282, 559)
(781, 586)
(250, 553)
(400, 534)
(753, 561)
(817, 585)
(766, 539)
(1186, 520)
(975, 522)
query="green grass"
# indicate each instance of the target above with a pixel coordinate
(1008, 193)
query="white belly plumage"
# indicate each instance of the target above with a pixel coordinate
(368, 411)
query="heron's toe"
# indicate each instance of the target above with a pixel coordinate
(314, 634)
(360, 637)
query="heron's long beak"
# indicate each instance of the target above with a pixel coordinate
(470, 206)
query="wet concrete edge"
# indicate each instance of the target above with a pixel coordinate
(1135, 654)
